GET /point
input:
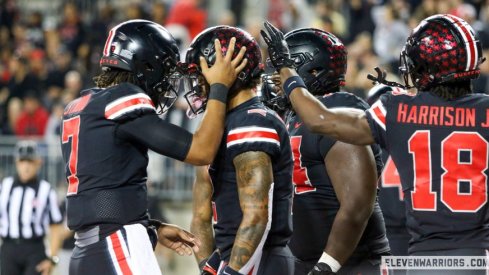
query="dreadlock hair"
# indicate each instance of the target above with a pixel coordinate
(452, 90)
(112, 76)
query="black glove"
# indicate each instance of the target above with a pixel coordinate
(211, 264)
(321, 269)
(277, 47)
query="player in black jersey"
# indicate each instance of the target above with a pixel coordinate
(438, 138)
(391, 197)
(249, 185)
(336, 217)
(106, 134)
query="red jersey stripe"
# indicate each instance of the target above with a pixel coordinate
(378, 113)
(128, 104)
(121, 258)
(252, 134)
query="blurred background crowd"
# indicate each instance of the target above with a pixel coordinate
(50, 50)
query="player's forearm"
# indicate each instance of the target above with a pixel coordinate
(346, 124)
(346, 232)
(207, 137)
(203, 230)
(248, 237)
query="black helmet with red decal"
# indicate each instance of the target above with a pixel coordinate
(203, 45)
(150, 52)
(442, 48)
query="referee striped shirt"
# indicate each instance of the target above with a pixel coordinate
(27, 209)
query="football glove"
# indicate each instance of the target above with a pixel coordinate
(321, 269)
(278, 50)
(211, 265)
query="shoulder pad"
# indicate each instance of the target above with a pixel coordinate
(344, 99)
(128, 101)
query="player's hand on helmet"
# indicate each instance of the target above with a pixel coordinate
(225, 69)
(210, 266)
(321, 269)
(278, 50)
(178, 239)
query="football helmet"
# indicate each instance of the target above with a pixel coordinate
(149, 51)
(442, 48)
(320, 59)
(203, 45)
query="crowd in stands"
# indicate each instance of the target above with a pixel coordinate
(44, 66)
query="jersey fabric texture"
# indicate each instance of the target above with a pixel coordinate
(391, 201)
(252, 127)
(441, 151)
(105, 162)
(315, 201)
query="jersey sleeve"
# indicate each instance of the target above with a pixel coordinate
(127, 102)
(253, 132)
(158, 135)
(376, 116)
(325, 144)
(339, 99)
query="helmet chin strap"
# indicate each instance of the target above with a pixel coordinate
(380, 78)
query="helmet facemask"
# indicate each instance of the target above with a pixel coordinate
(198, 90)
(272, 94)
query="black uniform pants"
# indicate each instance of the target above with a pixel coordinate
(20, 257)
(276, 260)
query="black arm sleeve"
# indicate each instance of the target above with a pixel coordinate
(158, 135)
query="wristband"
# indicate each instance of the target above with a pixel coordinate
(156, 223)
(327, 259)
(293, 82)
(219, 92)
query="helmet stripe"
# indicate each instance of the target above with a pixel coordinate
(109, 41)
(469, 40)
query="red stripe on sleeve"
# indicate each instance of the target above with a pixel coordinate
(252, 134)
(379, 114)
(126, 104)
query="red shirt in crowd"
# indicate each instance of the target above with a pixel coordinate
(188, 14)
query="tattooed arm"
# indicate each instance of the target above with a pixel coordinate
(254, 176)
(201, 225)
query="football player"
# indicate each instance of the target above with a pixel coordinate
(106, 134)
(336, 215)
(437, 138)
(249, 185)
(391, 197)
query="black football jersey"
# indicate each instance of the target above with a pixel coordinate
(251, 127)
(391, 197)
(106, 172)
(315, 202)
(440, 149)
